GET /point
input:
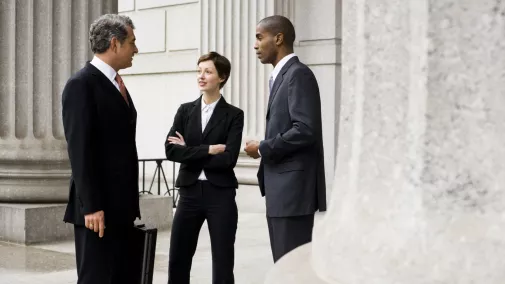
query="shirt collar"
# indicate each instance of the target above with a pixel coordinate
(281, 64)
(210, 106)
(105, 68)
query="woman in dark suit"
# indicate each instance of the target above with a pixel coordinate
(205, 139)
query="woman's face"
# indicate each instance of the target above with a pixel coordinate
(207, 76)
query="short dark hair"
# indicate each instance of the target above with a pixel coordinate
(223, 65)
(279, 24)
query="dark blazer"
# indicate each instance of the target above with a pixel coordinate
(291, 174)
(224, 127)
(100, 132)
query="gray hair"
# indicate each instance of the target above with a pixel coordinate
(105, 28)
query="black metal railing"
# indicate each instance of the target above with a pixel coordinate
(159, 173)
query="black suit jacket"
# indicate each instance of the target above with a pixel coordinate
(224, 127)
(291, 174)
(100, 132)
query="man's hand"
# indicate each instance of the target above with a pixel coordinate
(216, 149)
(95, 222)
(177, 140)
(251, 148)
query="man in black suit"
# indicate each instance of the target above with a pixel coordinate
(291, 173)
(99, 121)
(205, 138)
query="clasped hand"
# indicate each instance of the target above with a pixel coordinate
(251, 148)
(179, 140)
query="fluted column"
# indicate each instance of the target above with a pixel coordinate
(229, 27)
(419, 194)
(42, 42)
(285, 8)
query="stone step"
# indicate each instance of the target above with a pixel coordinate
(41, 223)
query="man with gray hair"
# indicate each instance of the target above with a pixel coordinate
(100, 121)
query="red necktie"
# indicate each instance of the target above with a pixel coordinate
(122, 88)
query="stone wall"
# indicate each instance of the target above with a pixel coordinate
(172, 35)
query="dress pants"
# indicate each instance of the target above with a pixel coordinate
(197, 203)
(288, 233)
(107, 260)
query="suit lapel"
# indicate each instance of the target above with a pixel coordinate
(131, 108)
(278, 82)
(110, 87)
(216, 117)
(275, 87)
(195, 118)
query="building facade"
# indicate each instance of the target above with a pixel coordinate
(172, 34)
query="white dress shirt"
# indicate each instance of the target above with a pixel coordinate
(105, 68)
(207, 111)
(276, 71)
(280, 64)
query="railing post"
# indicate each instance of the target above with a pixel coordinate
(159, 171)
(143, 176)
(158, 162)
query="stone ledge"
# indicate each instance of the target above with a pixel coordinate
(42, 223)
(157, 211)
(31, 223)
(246, 169)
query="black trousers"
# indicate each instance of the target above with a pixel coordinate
(107, 260)
(197, 203)
(288, 233)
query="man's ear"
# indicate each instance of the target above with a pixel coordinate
(279, 39)
(114, 44)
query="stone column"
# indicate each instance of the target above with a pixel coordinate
(41, 44)
(228, 27)
(419, 194)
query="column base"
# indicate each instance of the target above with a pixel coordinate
(294, 268)
(247, 169)
(34, 181)
(34, 190)
(42, 223)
